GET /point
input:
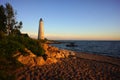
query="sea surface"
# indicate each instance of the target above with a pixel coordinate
(108, 48)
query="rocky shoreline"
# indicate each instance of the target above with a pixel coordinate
(67, 65)
(53, 54)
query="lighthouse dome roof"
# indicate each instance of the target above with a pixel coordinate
(41, 19)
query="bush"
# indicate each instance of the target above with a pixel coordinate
(7, 62)
(8, 46)
(14, 43)
(31, 44)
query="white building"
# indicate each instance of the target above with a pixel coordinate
(41, 30)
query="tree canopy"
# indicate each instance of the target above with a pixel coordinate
(8, 23)
(2, 19)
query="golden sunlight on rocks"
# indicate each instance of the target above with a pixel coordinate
(39, 61)
(56, 53)
(53, 55)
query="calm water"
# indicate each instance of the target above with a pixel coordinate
(108, 48)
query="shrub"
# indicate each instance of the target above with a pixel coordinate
(31, 44)
(9, 45)
(14, 43)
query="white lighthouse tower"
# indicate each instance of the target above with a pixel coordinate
(41, 30)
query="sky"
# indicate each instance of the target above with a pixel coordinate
(70, 19)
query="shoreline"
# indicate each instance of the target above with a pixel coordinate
(72, 68)
(100, 58)
(81, 66)
(91, 46)
(92, 56)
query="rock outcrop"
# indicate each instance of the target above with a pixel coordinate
(30, 59)
(53, 54)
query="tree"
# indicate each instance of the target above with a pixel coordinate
(20, 25)
(8, 21)
(2, 19)
(10, 17)
(17, 28)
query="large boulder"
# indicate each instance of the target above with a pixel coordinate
(27, 60)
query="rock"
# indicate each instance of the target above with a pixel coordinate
(52, 54)
(62, 55)
(27, 60)
(32, 60)
(51, 48)
(58, 55)
(45, 46)
(55, 48)
(48, 53)
(30, 53)
(51, 60)
(65, 52)
(72, 53)
(39, 61)
(16, 54)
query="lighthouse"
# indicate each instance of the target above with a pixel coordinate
(41, 30)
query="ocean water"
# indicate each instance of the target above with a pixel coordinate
(108, 48)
